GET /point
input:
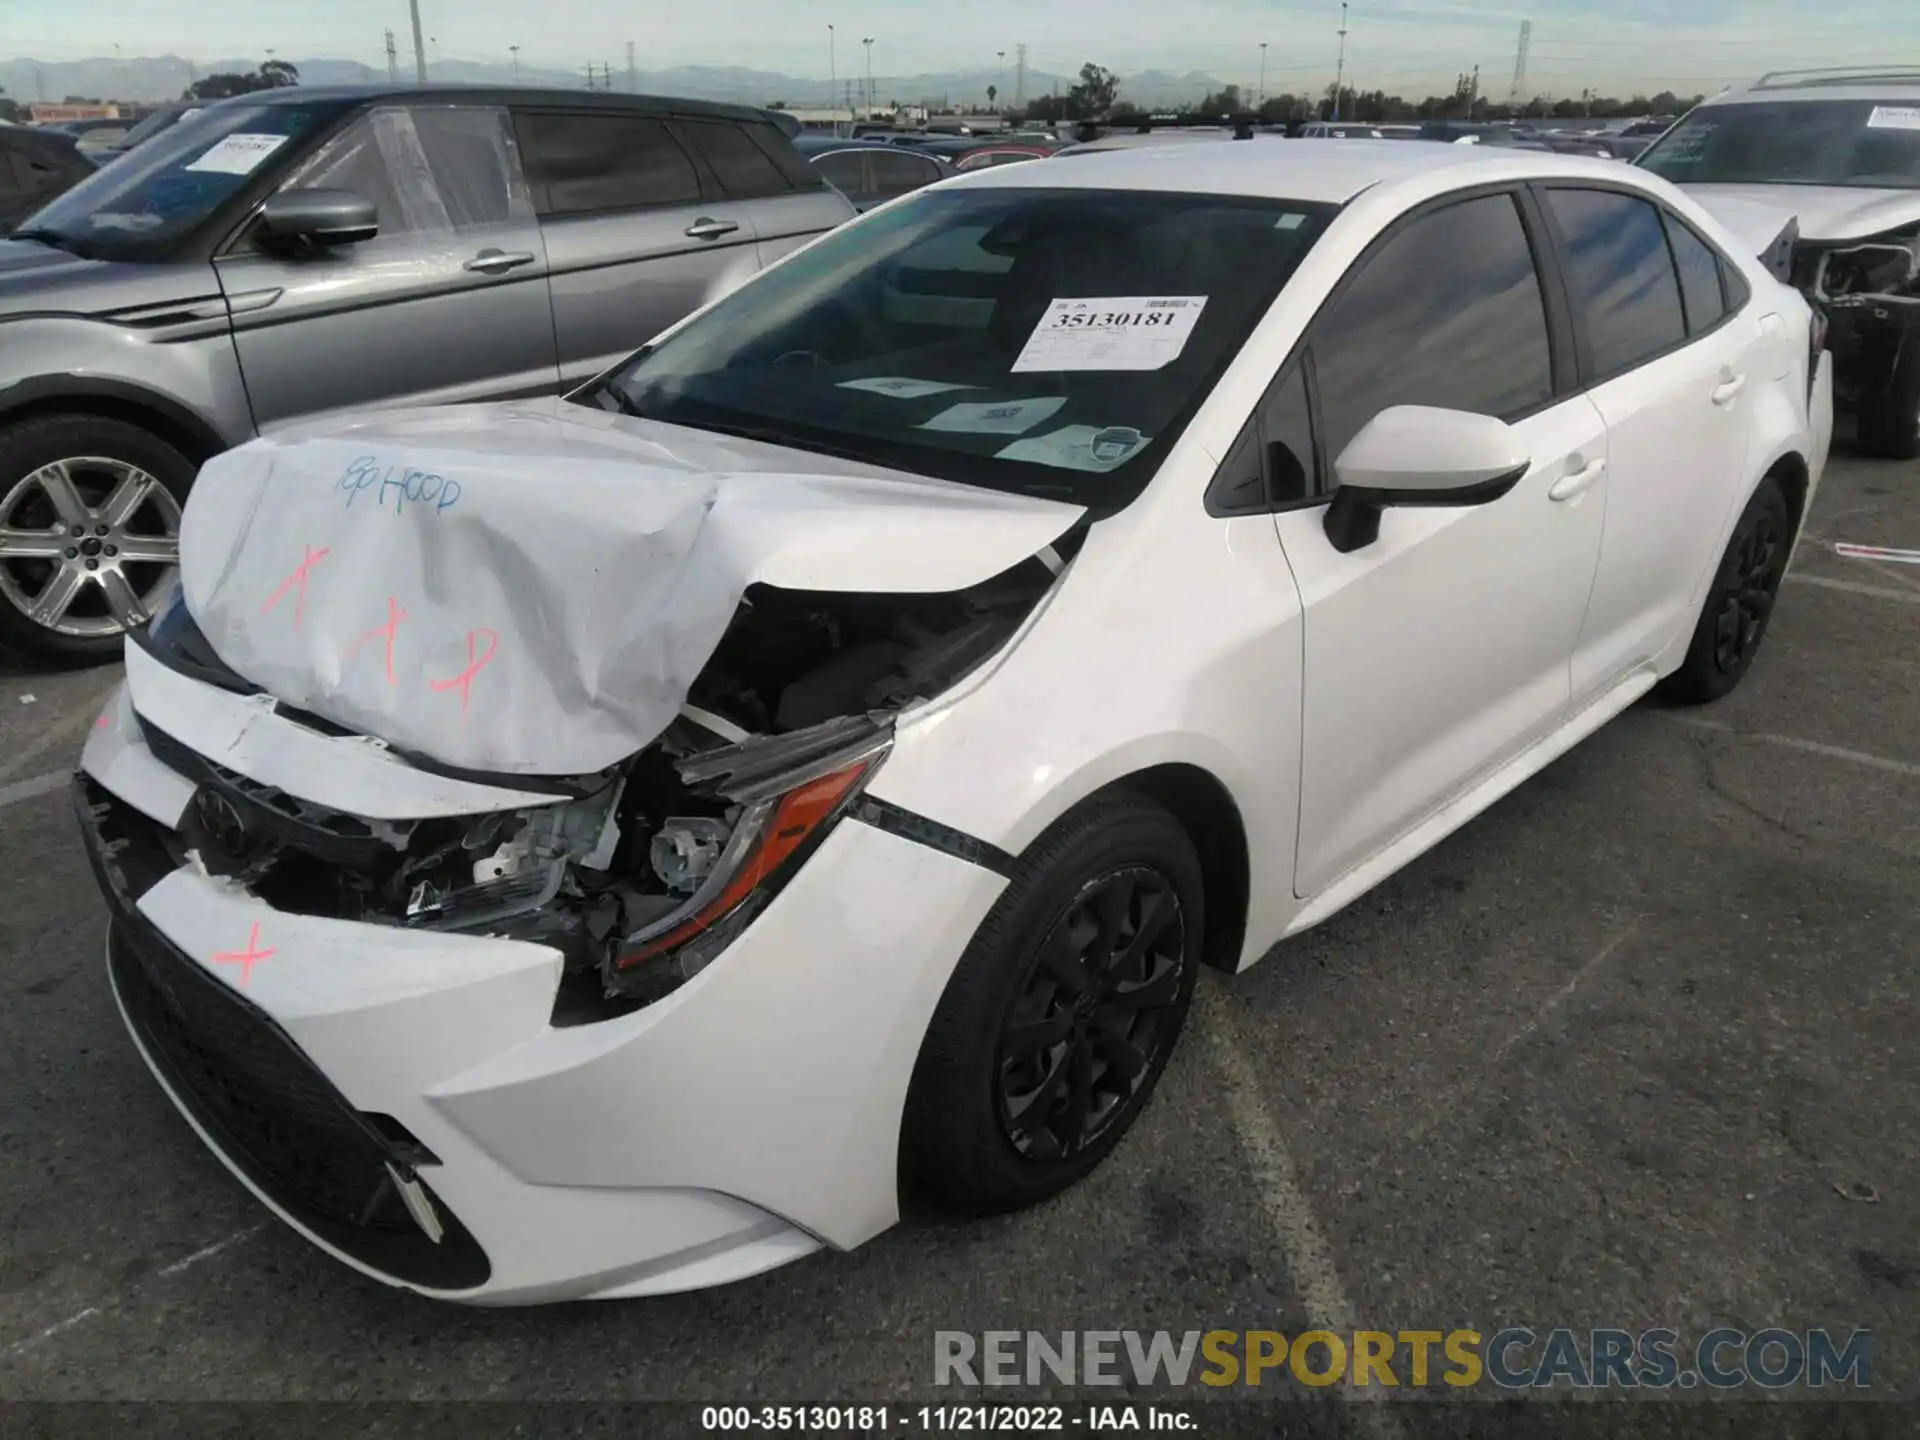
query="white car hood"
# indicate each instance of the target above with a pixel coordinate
(1826, 213)
(532, 588)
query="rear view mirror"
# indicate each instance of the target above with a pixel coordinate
(319, 217)
(1417, 455)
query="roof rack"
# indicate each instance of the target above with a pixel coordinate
(1242, 124)
(1836, 75)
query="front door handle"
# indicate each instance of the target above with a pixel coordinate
(1579, 482)
(1724, 392)
(706, 229)
(498, 262)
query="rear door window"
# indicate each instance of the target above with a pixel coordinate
(847, 171)
(744, 170)
(1624, 284)
(1699, 271)
(583, 163)
(897, 174)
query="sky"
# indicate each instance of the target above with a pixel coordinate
(1412, 47)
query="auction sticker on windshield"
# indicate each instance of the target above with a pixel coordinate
(1894, 117)
(902, 387)
(238, 154)
(1126, 332)
(1004, 417)
(1078, 447)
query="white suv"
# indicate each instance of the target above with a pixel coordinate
(1838, 151)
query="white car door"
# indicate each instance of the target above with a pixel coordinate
(1442, 648)
(1674, 368)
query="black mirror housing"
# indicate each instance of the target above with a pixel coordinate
(320, 218)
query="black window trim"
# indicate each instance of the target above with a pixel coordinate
(1589, 380)
(1562, 341)
(537, 188)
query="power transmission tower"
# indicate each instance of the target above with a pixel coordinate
(393, 59)
(1020, 77)
(633, 75)
(1517, 92)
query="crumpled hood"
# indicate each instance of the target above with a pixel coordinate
(532, 588)
(1825, 213)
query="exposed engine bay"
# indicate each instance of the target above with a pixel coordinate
(642, 872)
(1880, 271)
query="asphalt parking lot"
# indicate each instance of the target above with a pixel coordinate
(1632, 1049)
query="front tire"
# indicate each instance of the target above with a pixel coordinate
(1733, 621)
(89, 533)
(1059, 1019)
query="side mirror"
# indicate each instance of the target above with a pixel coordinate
(318, 217)
(1417, 455)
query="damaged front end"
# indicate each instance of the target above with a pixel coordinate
(1868, 291)
(639, 874)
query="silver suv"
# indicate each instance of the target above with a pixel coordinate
(301, 251)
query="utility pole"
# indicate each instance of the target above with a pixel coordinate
(590, 75)
(1340, 66)
(419, 48)
(514, 50)
(868, 42)
(833, 76)
(1263, 76)
(1000, 85)
(1473, 91)
(633, 74)
(1516, 93)
(393, 59)
(1020, 77)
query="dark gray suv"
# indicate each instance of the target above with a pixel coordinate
(302, 251)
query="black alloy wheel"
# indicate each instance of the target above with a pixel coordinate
(1094, 1016)
(1740, 603)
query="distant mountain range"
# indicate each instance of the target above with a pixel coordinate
(165, 77)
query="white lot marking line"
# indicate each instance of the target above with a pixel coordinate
(58, 734)
(1854, 587)
(29, 789)
(20, 1347)
(1316, 1275)
(1876, 552)
(1563, 994)
(1808, 747)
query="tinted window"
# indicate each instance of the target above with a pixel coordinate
(1448, 313)
(581, 163)
(1287, 427)
(431, 169)
(1622, 276)
(743, 169)
(1052, 342)
(1699, 277)
(897, 174)
(847, 170)
(1867, 143)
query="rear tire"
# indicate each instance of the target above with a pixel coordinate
(89, 533)
(1889, 422)
(1733, 621)
(1059, 1019)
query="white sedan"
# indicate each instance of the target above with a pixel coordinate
(608, 846)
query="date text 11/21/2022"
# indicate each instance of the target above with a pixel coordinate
(956, 1419)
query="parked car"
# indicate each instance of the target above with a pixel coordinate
(982, 157)
(93, 135)
(1340, 130)
(870, 172)
(819, 755)
(1837, 152)
(165, 118)
(300, 251)
(35, 166)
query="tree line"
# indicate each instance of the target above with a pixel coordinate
(1096, 96)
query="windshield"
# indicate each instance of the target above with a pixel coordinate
(1052, 342)
(1865, 144)
(137, 207)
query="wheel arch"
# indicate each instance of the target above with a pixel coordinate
(165, 418)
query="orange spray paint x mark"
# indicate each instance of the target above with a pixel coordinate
(297, 578)
(394, 616)
(246, 959)
(475, 664)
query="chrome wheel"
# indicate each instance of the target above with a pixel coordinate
(87, 545)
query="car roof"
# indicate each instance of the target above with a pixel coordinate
(827, 144)
(1858, 82)
(1315, 171)
(492, 95)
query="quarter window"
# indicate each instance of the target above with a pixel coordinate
(1699, 271)
(1622, 276)
(584, 164)
(741, 167)
(897, 174)
(1449, 313)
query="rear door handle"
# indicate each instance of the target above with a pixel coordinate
(705, 229)
(1579, 482)
(1724, 392)
(498, 262)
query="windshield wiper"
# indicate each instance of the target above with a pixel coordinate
(55, 239)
